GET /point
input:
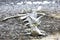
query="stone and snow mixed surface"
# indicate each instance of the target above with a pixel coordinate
(12, 29)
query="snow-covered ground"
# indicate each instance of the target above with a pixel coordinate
(13, 25)
(45, 5)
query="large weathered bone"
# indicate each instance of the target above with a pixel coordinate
(34, 29)
(19, 15)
